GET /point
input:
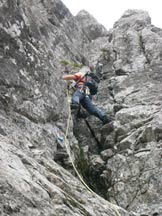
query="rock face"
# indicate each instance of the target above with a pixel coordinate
(128, 161)
(90, 26)
(124, 166)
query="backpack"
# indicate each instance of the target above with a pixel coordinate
(92, 82)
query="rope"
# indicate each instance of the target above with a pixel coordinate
(71, 159)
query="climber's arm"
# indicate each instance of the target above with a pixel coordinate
(69, 77)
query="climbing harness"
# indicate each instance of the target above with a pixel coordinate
(71, 159)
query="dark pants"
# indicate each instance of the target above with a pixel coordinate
(86, 102)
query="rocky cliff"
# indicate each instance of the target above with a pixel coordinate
(37, 39)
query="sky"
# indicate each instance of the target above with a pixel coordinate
(107, 12)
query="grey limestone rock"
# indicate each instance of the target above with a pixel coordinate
(130, 92)
(37, 39)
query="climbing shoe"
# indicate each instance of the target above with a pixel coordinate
(107, 128)
(74, 106)
(106, 120)
(83, 114)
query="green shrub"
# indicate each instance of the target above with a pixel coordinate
(104, 50)
(82, 164)
(64, 62)
(73, 64)
(76, 65)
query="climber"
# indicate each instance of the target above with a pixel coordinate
(83, 96)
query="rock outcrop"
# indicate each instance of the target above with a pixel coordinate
(36, 176)
(128, 160)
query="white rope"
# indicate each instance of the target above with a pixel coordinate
(71, 159)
